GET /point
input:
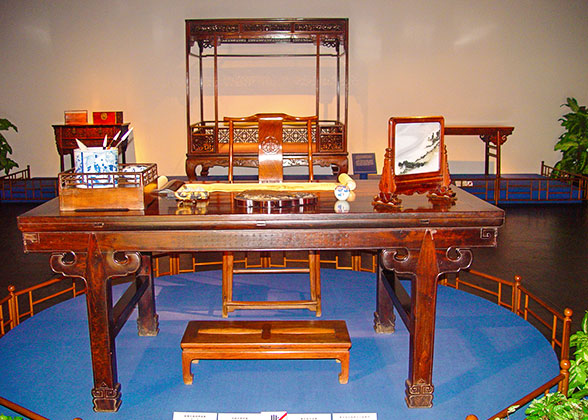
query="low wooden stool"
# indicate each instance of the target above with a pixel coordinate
(265, 340)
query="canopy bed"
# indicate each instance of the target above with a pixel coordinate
(322, 45)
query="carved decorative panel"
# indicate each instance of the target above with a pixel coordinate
(265, 27)
(202, 140)
(331, 139)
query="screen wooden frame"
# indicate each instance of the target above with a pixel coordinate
(435, 183)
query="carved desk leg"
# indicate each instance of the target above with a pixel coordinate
(96, 267)
(384, 318)
(148, 320)
(425, 265)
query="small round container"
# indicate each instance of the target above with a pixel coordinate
(342, 192)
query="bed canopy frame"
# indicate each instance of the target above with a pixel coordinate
(208, 139)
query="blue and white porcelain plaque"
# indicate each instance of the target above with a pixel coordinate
(96, 160)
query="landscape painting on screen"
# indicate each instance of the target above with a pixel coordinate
(417, 148)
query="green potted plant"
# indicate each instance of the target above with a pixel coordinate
(556, 406)
(573, 143)
(6, 163)
(578, 386)
(574, 405)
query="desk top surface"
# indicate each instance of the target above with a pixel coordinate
(477, 130)
(221, 213)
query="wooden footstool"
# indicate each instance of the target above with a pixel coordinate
(265, 340)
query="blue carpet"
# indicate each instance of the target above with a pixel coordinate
(485, 357)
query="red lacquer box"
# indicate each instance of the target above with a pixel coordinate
(107, 117)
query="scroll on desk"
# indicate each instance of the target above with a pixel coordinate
(189, 190)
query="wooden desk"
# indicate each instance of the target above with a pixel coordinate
(493, 136)
(418, 240)
(90, 135)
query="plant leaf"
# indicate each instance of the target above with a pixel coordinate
(572, 103)
(6, 125)
(565, 145)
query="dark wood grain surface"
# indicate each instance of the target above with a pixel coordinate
(421, 239)
(221, 212)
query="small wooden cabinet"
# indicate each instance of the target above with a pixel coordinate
(90, 135)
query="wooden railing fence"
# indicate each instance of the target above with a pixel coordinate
(22, 174)
(18, 306)
(21, 410)
(556, 185)
(579, 182)
(23, 304)
(517, 298)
